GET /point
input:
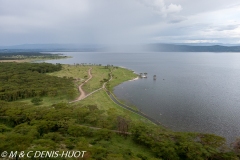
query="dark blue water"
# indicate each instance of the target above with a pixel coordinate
(198, 92)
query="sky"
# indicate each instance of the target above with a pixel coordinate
(119, 21)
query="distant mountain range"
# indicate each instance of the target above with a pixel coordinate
(49, 48)
(191, 48)
(157, 47)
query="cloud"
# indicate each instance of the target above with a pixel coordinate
(72, 21)
(173, 8)
(176, 19)
(202, 41)
(125, 21)
(160, 7)
(227, 27)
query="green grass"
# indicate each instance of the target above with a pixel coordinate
(121, 75)
(77, 72)
(80, 73)
(100, 98)
(48, 101)
(103, 102)
(98, 73)
(129, 105)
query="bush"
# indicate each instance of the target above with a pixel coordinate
(36, 100)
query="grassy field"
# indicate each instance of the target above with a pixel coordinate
(121, 75)
(80, 73)
(77, 72)
(103, 102)
(99, 98)
(99, 73)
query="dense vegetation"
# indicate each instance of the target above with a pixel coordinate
(26, 80)
(95, 125)
(63, 127)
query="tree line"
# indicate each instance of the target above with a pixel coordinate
(26, 80)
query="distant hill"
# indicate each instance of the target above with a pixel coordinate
(156, 47)
(49, 48)
(191, 48)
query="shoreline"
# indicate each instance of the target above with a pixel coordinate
(228, 142)
(131, 81)
(134, 79)
(32, 60)
(19, 57)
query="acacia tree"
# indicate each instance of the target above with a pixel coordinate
(36, 100)
(122, 125)
(236, 146)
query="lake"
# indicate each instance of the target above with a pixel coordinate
(197, 92)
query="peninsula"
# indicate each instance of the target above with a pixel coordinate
(35, 114)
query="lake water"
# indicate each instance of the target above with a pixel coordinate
(198, 92)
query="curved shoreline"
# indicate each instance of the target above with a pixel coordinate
(115, 100)
(175, 128)
(134, 79)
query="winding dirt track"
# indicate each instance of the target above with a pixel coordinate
(82, 93)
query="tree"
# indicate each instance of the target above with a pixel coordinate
(122, 125)
(236, 146)
(36, 100)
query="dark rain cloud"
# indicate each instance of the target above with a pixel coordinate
(117, 22)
